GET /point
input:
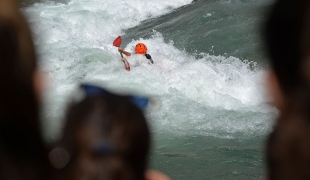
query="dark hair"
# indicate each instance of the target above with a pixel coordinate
(286, 34)
(22, 149)
(287, 40)
(118, 123)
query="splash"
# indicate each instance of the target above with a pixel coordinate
(211, 94)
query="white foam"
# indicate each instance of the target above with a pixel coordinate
(205, 95)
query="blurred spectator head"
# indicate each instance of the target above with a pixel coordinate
(287, 42)
(22, 150)
(105, 136)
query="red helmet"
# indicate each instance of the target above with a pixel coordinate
(141, 48)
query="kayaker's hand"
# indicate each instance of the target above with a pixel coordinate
(120, 49)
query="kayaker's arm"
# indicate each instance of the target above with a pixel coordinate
(123, 51)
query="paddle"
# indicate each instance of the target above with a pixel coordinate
(117, 43)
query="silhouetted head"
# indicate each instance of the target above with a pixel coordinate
(287, 41)
(22, 149)
(105, 136)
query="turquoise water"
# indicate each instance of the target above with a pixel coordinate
(209, 112)
(204, 157)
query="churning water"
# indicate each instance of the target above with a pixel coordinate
(208, 113)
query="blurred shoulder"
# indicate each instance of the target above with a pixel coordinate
(155, 175)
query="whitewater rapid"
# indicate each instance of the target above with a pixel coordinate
(213, 95)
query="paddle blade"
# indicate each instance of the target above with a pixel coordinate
(127, 66)
(118, 41)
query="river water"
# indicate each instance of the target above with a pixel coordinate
(209, 113)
